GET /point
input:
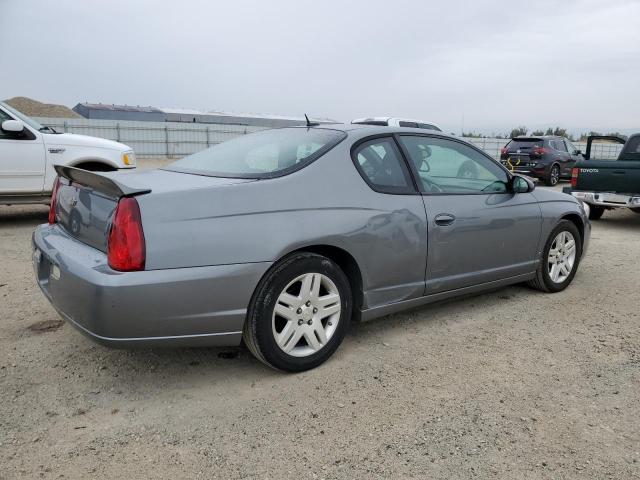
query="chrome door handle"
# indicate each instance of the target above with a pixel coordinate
(444, 219)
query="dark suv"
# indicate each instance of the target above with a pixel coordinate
(546, 158)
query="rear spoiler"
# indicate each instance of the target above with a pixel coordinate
(98, 182)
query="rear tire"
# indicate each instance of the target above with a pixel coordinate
(543, 280)
(553, 178)
(595, 212)
(291, 327)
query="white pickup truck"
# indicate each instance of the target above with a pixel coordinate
(28, 152)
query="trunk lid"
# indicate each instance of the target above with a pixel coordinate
(520, 150)
(523, 146)
(86, 201)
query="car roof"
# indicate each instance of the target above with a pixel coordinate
(375, 129)
(388, 119)
(535, 137)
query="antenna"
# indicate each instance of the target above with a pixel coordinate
(310, 123)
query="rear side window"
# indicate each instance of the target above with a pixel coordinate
(265, 154)
(558, 145)
(524, 144)
(381, 165)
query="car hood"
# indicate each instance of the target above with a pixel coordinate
(73, 140)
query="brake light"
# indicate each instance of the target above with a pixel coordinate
(54, 200)
(126, 250)
(504, 150)
(574, 177)
(539, 151)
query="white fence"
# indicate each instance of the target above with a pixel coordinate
(175, 140)
(153, 139)
(601, 151)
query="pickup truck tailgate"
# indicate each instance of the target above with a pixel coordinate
(608, 176)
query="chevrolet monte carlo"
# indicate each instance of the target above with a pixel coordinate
(281, 237)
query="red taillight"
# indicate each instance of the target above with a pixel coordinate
(54, 199)
(504, 151)
(574, 177)
(126, 249)
(539, 151)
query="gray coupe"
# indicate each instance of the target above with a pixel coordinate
(281, 237)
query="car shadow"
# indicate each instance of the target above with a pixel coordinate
(434, 312)
(621, 219)
(23, 215)
(221, 366)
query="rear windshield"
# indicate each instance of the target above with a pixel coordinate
(265, 154)
(525, 143)
(631, 150)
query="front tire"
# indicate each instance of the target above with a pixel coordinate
(560, 259)
(299, 313)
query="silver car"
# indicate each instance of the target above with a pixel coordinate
(281, 237)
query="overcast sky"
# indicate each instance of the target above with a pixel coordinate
(498, 64)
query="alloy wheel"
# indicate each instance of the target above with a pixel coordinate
(562, 257)
(555, 175)
(306, 314)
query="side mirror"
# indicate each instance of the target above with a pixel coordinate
(520, 184)
(15, 126)
(578, 152)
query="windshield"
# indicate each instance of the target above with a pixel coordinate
(265, 154)
(21, 116)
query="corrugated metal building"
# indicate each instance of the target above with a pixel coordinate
(152, 114)
(101, 111)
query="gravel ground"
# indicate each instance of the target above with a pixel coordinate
(509, 384)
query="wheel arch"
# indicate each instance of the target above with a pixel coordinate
(95, 165)
(345, 261)
(577, 221)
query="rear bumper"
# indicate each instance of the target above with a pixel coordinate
(605, 199)
(176, 307)
(539, 171)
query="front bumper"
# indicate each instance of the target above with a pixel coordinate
(176, 307)
(606, 199)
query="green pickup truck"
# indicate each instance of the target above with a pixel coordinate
(608, 184)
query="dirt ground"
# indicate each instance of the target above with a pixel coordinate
(509, 384)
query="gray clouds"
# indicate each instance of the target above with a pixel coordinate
(497, 63)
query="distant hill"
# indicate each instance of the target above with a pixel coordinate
(33, 108)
